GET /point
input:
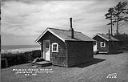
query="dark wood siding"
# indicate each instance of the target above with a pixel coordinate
(42, 49)
(57, 58)
(113, 47)
(79, 52)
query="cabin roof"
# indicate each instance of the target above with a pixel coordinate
(66, 35)
(107, 37)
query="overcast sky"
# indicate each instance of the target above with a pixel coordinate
(24, 20)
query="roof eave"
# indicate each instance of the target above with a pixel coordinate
(101, 37)
(38, 39)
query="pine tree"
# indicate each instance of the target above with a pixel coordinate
(117, 14)
(110, 15)
(121, 14)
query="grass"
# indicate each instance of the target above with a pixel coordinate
(95, 71)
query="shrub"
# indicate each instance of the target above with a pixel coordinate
(20, 58)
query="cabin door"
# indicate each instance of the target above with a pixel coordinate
(95, 47)
(46, 48)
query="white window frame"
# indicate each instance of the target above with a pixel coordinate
(102, 43)
(56, 48)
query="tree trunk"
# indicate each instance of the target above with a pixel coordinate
(111, 25)
(117, 29)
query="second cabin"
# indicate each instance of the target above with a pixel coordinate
(105, 43)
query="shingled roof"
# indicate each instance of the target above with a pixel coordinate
(66, 35)
(107, 37)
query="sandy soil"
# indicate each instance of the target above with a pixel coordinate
(96, 71)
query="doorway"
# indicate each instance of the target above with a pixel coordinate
(46, 50)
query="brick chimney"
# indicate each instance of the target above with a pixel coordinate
(71, 29)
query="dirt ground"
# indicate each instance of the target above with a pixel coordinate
(99, 70)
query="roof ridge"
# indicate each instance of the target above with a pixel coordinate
(57, 29)
(63, 29)
(107, 36)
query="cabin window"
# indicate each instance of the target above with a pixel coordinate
(102, 44)
(54, 47)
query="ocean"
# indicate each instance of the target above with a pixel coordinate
(18, 48)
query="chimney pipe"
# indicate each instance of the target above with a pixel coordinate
(71, 29)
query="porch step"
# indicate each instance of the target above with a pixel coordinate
(43, 63)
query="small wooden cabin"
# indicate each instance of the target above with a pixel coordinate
(106, 43)
(65, 47)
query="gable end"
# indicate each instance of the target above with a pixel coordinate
(48, 30)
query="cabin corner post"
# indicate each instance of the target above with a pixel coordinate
(66, 46)
(41, 49)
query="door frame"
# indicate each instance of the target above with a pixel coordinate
(44, 47)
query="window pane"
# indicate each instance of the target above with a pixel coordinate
(47, 45)
(54, 47)
(102, 44)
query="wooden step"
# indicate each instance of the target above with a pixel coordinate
(43, 63)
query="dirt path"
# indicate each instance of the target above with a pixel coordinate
(95, 72)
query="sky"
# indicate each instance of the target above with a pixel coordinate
(22, 21)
